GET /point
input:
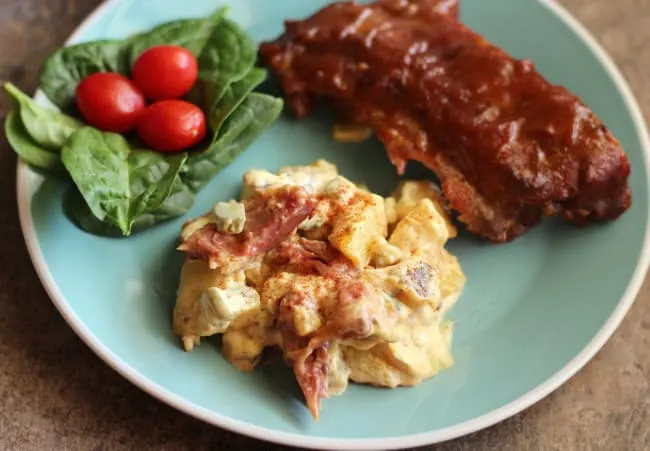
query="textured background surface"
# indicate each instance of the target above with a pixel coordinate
(56, 394)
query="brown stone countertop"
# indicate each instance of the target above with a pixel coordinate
(56, 394)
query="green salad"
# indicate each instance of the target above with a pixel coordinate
(119, 184)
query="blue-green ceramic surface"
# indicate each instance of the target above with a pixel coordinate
(534, 311)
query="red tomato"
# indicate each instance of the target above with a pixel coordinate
(109, 101)
(171, 125)
(165, 72)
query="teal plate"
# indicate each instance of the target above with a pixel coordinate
(533, 313)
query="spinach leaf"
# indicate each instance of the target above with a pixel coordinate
(227, 57)
(119, 183)
(47, 127)
(180, 200)
(27, 149)
(193, 34)
(232, 97)
(77, 211)
(66, 67)
(255, 114)
(152, 178)
(178, 203)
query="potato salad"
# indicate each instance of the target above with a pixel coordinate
(349, 285)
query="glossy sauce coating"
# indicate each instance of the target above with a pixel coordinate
(507, 146)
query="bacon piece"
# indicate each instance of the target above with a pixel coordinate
(312, 371)
(271, 217)
(508, 147)
(347, 319)
(310, 362)
(305, 256)
(307, 355)
(301, 256)
(341, 315)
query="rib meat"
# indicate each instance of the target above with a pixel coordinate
(507, 146)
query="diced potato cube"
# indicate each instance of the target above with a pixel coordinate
(422, 229)
(413, 281)
(245, 339)
(408, 195)
(426, 353)
(207, 301)
(219, 306)
(257, 180)
(312, 177)
(195, 276)
(384, 253)
(340, 190)
(319, 217)
(305, 320)
(358, 226)
(339, 373)
(423, 353)
(452, 280)
(390, 207)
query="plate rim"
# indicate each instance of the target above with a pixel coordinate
(23, 195)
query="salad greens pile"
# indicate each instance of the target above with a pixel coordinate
(118, 185)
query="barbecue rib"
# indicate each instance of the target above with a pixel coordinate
(507, 146)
